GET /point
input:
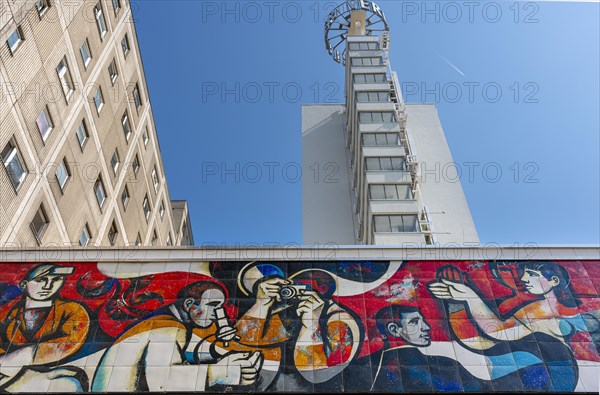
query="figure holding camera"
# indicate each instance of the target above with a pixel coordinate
(298, 314)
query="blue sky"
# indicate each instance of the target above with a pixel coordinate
(516, 85)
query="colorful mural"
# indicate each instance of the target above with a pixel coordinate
(423, 326)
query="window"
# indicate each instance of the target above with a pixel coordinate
(155, 179)
(82, 134)
(396, 223)
(372, 97)
(39, 223)
(137, 99)
(44, 123)
(125, 45)
(41, 6)
(367, 61)
(115, 161)
(14, 164)
(369, 139)
(145, 137)
(100, 21)
(112, 71)
(390, 192)
(388, 163)
(138, 240)
(135, 165)
(161, 209)
(15, 39)
(99, 192)
(99, 100)
(86, 54)
(125, 197)
(376, 117)
(85, 236)
(363, 46)
(62, 174)
(369, 78)
(154, 237)
(126, 126)
(112, 233)
(146, 207)
(116, 6)
(64, 76)
(169, 240)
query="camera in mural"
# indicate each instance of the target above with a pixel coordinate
(451, 326)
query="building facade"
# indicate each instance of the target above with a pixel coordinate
(81, 158)
(384, 157)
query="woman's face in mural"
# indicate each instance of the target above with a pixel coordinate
(535, 282)
(202, 311)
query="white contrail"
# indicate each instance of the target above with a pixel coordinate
(449, 63)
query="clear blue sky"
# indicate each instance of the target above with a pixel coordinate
(543, 56)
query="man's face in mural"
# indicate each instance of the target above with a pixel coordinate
(202, 311)
(413, 328)
(535, 282)
(43, 287)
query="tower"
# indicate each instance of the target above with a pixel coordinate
(385, 157)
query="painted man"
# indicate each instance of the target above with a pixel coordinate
(403, 366)
(39, 330)
(177, 349)
(298, 325)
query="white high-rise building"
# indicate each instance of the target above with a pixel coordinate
(376, 168)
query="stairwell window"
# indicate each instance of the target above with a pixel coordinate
(381, 139)
(14, 164)
(396, 163)
(39, 224)
(145, 137)
(372, 46)
(44, 123)
(115, 161)
(135, 165)
(116, 6)
(154, 238)
(15, 39)
(138, 240)
(390, 192)
(376, 117)
(125, 197)
(396, 223)
(161, 209)
(100, 21)
(64, 76)
(169, 240)
(372, 97)
(378, 78)
(360, 62)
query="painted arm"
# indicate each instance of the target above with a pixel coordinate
(485, 318)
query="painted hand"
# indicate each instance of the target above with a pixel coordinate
(240, 368)
(268, 291)
(310, 309)
(452, 290)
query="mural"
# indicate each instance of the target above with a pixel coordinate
(423, 326)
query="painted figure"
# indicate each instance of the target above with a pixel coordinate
(184, 338)
(403, 365)
(298, 315)
(39, 330)
(549, 316)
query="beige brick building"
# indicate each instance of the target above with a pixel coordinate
(80, 154)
